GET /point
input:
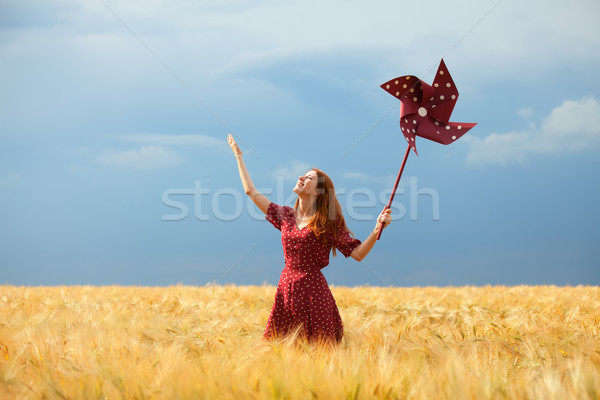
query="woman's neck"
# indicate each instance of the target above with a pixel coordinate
(306, 207)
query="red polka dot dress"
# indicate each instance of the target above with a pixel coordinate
(303, 298)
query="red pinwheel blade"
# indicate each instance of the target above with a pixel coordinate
(398, 87)
(443, 133)
(425, 110)
(446, 94)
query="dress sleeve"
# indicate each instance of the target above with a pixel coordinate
(345, 243)
(275, 215)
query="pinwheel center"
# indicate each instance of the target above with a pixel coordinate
(422, 111)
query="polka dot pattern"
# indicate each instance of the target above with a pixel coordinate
(425, 109)
(303, 299)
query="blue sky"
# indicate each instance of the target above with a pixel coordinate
(114, 167)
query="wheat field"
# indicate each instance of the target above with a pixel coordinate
(181, 342)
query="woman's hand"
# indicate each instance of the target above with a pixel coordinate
(365, 247)
(385, 217)
(234, 147)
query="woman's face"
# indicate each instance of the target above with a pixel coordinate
(307, 184)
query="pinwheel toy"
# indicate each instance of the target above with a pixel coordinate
(425, 111)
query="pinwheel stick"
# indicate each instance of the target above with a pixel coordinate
(389, 205)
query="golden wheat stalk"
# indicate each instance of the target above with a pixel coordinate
(205, 342)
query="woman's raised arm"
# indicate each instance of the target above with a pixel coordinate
(365, 247)
(258, 198)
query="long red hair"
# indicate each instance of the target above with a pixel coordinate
(328, 217)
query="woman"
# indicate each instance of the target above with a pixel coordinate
(309, 231)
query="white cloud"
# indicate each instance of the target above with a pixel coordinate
(154, 152)
(292, 172)
(525, 113)
(367, 178)
(82, 150)
(287, 31)
(572, 126)
(146, 158)
(173, 140)
(280, 31)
